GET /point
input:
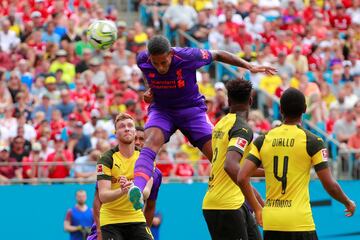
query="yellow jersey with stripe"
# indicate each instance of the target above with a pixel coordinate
(111, 166)
(287, 154)
(231, 133)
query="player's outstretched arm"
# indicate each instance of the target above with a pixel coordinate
(148, 96)
(335, 191)
(243, 180)
(229, 58)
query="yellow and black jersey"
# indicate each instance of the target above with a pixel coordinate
(231, 133)
(111, 166)
(287, 154)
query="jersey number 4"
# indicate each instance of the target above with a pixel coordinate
(283, 178)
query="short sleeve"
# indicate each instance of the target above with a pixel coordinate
(240, 136)
(104, 166)
(317, 151)
(254, 154)
(319, 157)
(68, 215)
(198, 57)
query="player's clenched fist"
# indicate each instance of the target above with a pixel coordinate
(148, 96)
(350, 208)
(125, 184)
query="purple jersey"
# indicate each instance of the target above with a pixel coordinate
(177, 88)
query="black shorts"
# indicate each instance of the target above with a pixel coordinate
(232, 224)
(277, 235)
(126, 231)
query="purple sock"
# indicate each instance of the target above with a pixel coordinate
(144, 167)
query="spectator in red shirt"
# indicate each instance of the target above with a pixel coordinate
(31, 169)
(290, 13)
(309, 12)
(269, 34)
(81, 91)
(211, 112)
(165, 164)
(285, 84)
(243, 37)
(60, 155)
(10, 171)
(128, 94)
(183, 168)
(57, 123)
(261, 124)
(80, 111)
(279, 45)
(354, 140)
(40, 6)
(82, 3)
(296, 26)
(341, 21)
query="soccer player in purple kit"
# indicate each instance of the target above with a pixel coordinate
(176, 102)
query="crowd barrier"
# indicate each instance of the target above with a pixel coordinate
(38, 212)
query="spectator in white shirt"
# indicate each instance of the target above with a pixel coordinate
(85, 166)
(90, 126)
(180, 16)
(254, 22)
(270, 9)
(8, 38)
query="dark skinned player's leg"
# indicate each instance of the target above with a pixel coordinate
(207, 150)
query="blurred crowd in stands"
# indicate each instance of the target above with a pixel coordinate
(59, 96)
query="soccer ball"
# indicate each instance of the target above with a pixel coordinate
(102, 34)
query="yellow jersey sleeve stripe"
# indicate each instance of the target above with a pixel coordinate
(104, 177)
(107, 158)
(254, 159)
(105, 164)
(235, 149)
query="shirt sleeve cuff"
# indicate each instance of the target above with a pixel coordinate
(232, 148)
(104, 177)
(321, 166)
(254, 160)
